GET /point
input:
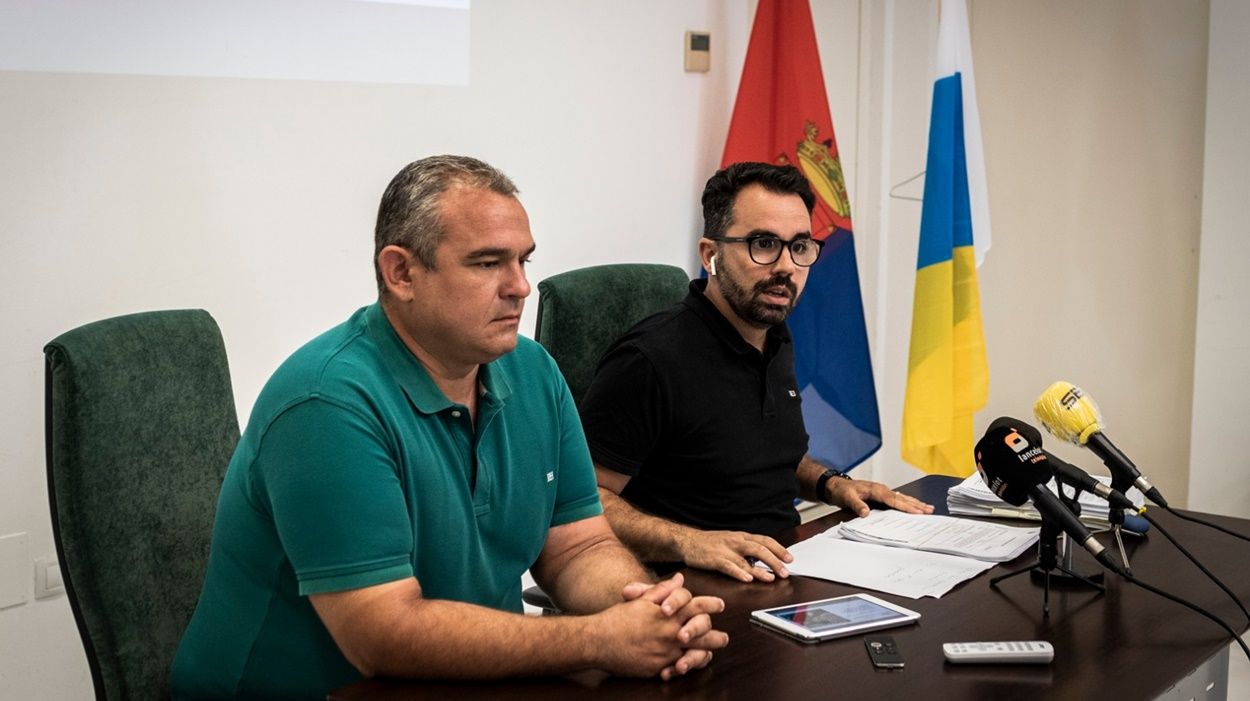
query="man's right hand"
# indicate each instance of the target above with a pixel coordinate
(658, 539)
(727, 552)
(661, 629)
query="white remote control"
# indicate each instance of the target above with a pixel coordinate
(1016, 652)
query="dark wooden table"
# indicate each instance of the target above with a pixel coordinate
(1126, 643)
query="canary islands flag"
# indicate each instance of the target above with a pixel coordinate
(948, 376)
(782, 116)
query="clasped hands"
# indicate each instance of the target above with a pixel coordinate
(666, 628)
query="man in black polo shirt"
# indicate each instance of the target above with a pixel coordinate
(693, 418)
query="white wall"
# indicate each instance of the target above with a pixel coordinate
(1092, 118)
(1219, 470)
(896, 68)
(255, 200)
(1097, 128)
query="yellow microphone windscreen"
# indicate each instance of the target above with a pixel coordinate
(1067, 413)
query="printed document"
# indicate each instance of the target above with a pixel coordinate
(910, 573)
(983, 540)
(972, 498)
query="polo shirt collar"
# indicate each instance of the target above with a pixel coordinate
(721, 327)
(412, 376)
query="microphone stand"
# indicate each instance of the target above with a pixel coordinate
(1048, 560)
(1120, 482)
(1069, 570)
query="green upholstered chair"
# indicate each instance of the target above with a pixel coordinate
(581, 312)
(140, 427)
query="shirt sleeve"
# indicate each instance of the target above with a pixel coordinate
(623, 411)
(577, 493)
(330, 483)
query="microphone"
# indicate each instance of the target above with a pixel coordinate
(1071, 474)
(1069, 414)
(1017, 470)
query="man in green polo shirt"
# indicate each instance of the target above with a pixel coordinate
(402, 470)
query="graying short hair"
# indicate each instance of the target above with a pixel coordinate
(409, 213)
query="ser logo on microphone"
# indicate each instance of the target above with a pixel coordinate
(1071, 397)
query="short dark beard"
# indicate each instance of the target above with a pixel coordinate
(748, 305)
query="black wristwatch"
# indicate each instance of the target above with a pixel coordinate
(821, 494)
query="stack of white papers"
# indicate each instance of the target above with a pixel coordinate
(892, 560)
(973, 498)
(981, 540)
(909, 573)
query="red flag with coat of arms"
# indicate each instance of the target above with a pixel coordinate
(782, 116)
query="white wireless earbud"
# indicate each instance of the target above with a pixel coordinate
(711, 264)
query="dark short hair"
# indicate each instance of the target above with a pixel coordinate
(409, 213)
(723, 188)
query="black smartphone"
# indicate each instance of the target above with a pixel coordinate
(883, 652)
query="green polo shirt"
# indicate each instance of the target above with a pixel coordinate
(356, 470)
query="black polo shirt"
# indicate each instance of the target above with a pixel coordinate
(708, 428)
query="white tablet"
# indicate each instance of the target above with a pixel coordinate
(814, 621)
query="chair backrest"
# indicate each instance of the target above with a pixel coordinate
(581, 312)
(140, 427)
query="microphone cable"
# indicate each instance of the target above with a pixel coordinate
(1192, 607)
(1146, 514)
(1206, 523)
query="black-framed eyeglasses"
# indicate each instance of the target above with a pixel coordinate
(765, 249)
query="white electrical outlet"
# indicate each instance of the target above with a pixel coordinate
(14, 569)
(48, 582)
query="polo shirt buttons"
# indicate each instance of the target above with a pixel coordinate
(456, 413)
